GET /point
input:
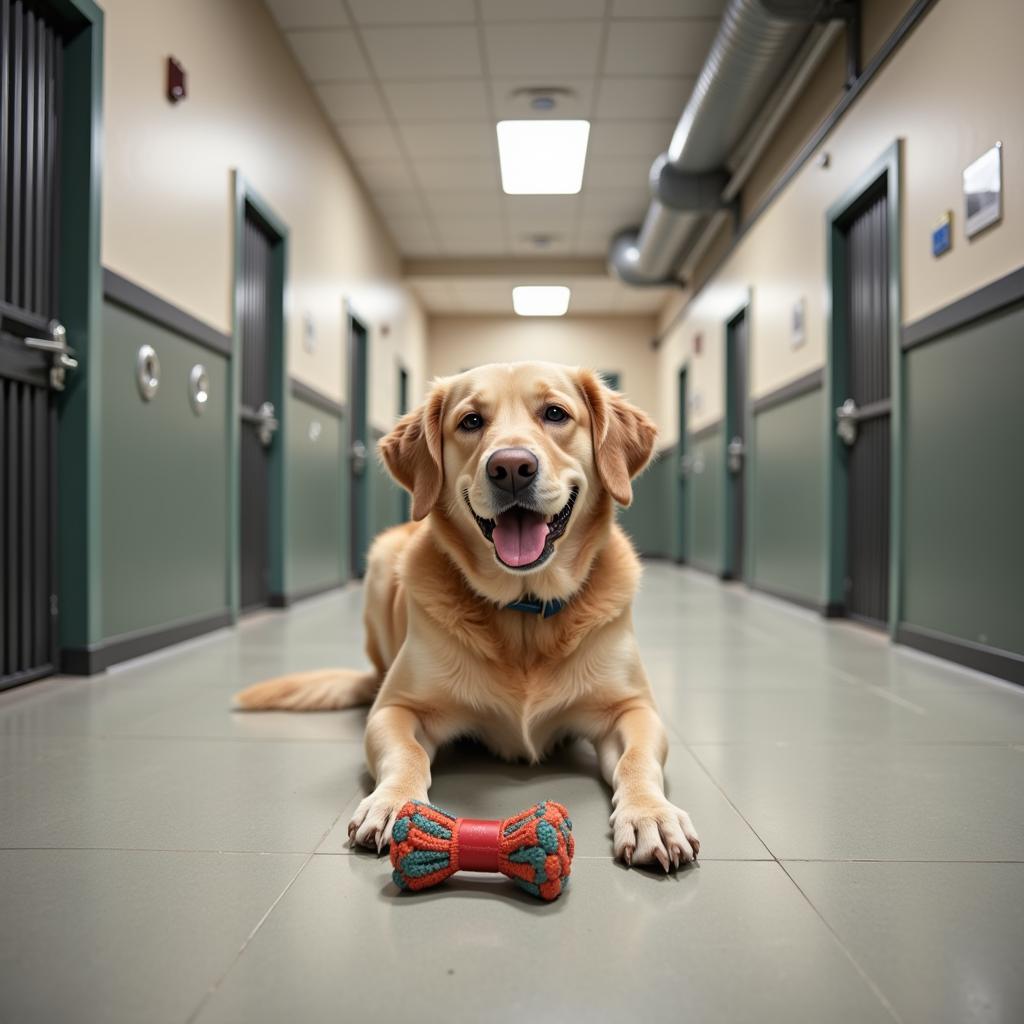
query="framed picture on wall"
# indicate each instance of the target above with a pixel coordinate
(983, 191)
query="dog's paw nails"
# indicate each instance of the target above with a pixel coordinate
(627, 856)
(662, 858)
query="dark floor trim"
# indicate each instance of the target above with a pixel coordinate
(304, 393)
(801, 602)
(27, 676)
(812, 381)
(287, 600)
(995, 662)
(1005, 291)
(120, 290)
(705, 432)
(87, 661)
(889, 47)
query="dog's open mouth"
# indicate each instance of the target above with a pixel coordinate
(522, 537)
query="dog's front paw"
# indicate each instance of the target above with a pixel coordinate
(649, 831)
(374, 817)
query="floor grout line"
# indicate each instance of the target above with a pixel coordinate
(867, 979)
(212, 990)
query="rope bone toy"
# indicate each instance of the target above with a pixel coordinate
(533, 848)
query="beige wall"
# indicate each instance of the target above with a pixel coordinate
(167, 206)
(612, 343)
(951, 91)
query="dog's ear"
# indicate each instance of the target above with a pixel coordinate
(623, 436)
(413, 452)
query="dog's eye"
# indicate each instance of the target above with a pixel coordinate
(471, 421)
(555, 414)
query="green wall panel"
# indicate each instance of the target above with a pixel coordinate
(788, 495)
(964, 484)
(164, 487)
(650, 520)
(317, 512)
(704, 499)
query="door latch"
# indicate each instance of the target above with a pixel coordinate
(846, 422)
(62, 357)
(358, 456)
(264, 420)
(735, 452)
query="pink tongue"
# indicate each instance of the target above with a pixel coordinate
(519, 537)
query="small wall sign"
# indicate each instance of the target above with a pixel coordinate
(942, 236)
(798, 319)
(983, 191)
(176, 90)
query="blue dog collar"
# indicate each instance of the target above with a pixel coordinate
(535, 606)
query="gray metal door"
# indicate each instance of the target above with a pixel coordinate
(33, 353)
(259, 422)
(736, 445)
(358, 442)
(864, 416)
(685, 468)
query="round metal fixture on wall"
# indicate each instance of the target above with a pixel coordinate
(198, 388)
(147, 372)
(315, 429)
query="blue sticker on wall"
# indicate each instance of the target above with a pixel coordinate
(942, 236)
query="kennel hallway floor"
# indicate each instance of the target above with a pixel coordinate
(861, 809)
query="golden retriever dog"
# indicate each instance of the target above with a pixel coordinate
(503, 610)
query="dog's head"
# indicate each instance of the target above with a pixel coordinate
(520, 455)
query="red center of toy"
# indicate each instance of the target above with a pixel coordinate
(477, 842)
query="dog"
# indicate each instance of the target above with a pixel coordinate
(502, 611)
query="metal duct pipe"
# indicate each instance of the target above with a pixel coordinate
(746, 59)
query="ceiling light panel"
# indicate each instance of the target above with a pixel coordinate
(542, 157)
(540, 300)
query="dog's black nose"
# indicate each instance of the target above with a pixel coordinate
(512, 469)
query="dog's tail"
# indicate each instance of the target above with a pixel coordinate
(321, 690)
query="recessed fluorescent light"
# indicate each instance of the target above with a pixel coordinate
(540, 299)
(542, 157)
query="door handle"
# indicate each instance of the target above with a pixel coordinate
(846, 422)
(63, 358)
(264, 420)
(358, 457)
(686, 466)
(736, 450)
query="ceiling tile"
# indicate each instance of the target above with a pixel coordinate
(635, 136)
(308, 13)
(351, 101)
(483, 296)
(667, 8)
(424, 52)
(399, 204)
(443, 205)
(330, 56)
(390, 175)
(438, 101)
(427, 139)
(526, 244)
(542, 213)
(450, 175)
(411, 12)
(591, 242)
(652, 97)
(370, 142)
(470, 242)
(540, 10)
(658, 47)
(617, 207)
(559, 49)
(617, 172)
(510, 101)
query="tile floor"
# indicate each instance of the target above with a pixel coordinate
(861, 809)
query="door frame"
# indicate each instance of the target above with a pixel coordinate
(401, 408)
(682, 470)
(246, 196)
(730, 570)
(360, 494)
(78, 554)
(886, 168)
